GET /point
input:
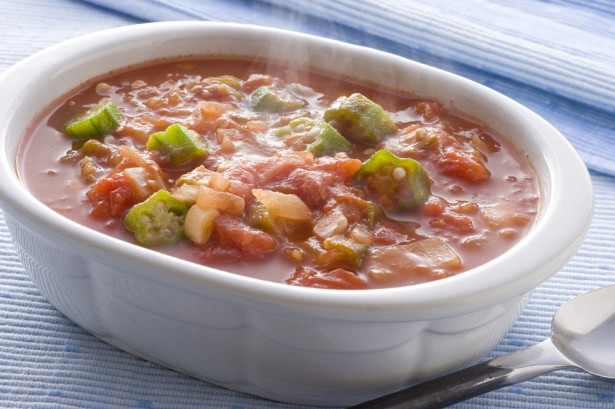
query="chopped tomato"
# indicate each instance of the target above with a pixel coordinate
(434, 207)
(431, 110)
(112, 196)
(316, 183)
(445, 214)
(341, 164)
(132, 180)
(310, 185)
(256, 172)
(256, 80)
(253, 243)
(465, 165)
(278, 167)
(243, 180)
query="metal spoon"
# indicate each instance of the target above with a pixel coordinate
(582, 333)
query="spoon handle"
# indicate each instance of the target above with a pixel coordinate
(505, 370)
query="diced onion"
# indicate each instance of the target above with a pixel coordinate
(434, 252)
(227, 145)
(208, 198)
(139, 182)
(361, 234)
(199, 224)
(211, 110)
(286, 206)
(186, 192)
(203, 176)
(218, 182)
(502, 216)
(331, 224)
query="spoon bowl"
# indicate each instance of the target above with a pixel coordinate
(583, 330)
(582, 333)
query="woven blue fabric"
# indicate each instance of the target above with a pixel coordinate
(553, 56)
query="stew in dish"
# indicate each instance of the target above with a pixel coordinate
(281, 173)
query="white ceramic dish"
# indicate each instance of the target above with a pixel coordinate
(281, 342)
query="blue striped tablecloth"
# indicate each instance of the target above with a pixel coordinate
(556, 57)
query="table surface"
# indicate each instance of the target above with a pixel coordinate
(46, 361)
